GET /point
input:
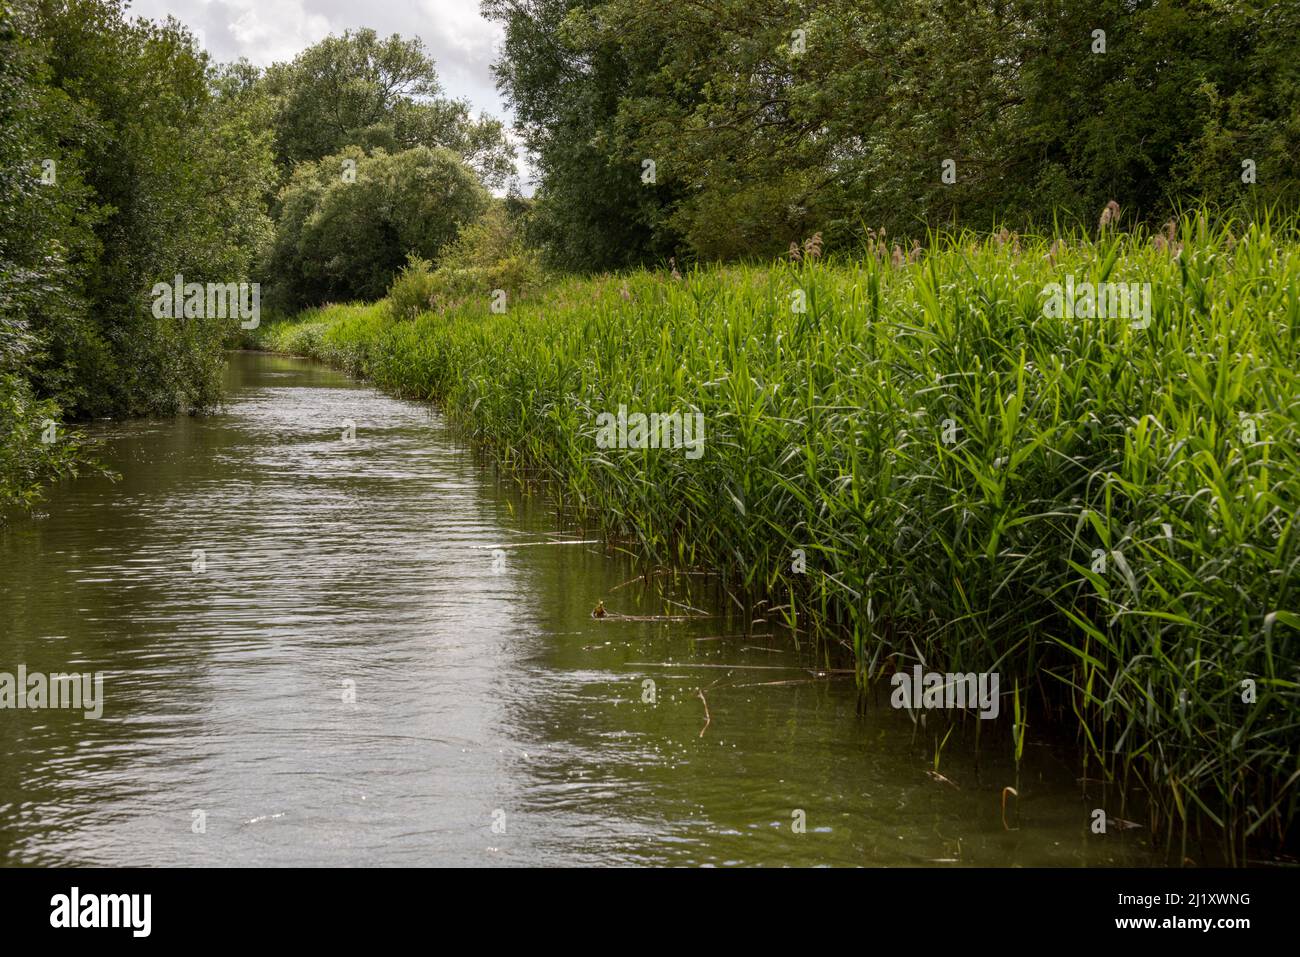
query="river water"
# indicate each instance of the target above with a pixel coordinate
(371, 652)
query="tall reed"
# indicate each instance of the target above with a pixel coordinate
(1102, 512)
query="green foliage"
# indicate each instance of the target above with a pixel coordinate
(488, 255)
(758, 143)
(414, 290)
(1171, 451)
(124, 160)
(341, 238)
(360, 90)
(27, 462)
(46, 228)
(176, 168)
(592, 211)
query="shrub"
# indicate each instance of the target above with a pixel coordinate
(489, 254)
(27, 462)
(414, 289)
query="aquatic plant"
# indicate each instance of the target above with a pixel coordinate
(912, 455)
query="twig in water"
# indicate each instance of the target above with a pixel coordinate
(940, 778)
(615, 616)
(688, 607)
(765, 684)
(677, 664)
(707, 718)
(656, 573)
(567, 541)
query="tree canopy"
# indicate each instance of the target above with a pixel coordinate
(768, 120)
(358, 89)
(348, 222)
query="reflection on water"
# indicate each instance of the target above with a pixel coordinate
(310, 658)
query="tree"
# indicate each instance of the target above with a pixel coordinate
(153, 170)
(564, 81)
(769, 120)
(124, 160)
(360, 90)
(45, 228)
(348, 222)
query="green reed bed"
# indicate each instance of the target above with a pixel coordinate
(1105, 514)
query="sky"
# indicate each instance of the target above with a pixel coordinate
(462, 44)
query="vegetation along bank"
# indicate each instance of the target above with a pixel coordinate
(944, 456)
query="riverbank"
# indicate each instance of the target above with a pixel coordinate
(949, 461)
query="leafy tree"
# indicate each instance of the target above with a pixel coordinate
(124, 159)
(45, 227)
(47, 212)
(177, 168)
(362, 90)
(769, 120)
(564, 81)
(348, 222)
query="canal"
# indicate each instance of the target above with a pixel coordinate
(330, 636)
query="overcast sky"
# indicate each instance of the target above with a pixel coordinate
(460, 41)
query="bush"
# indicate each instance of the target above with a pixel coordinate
(490, 254)
(487, 255)
(414, 289)
(26, 461)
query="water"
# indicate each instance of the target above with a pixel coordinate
(495, 722)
